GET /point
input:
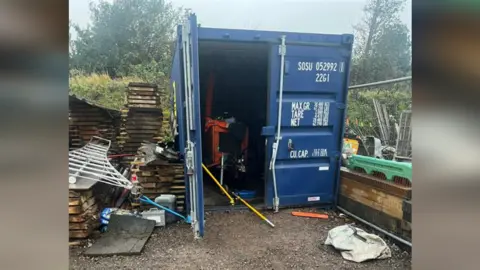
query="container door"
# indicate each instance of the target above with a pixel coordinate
(190, 101)
(314, 87)
(176, 86)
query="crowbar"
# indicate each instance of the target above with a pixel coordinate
(254, 210)
(232, 202)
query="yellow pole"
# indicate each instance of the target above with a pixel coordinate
(232, 202)
(254, 210)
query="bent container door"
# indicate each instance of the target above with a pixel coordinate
(189, 123)
(315, 82)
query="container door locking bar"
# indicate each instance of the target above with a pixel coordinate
(281, 51)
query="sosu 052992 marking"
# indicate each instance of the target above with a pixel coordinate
(319, 66)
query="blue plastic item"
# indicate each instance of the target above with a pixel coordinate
(105, 215)
(247, 194)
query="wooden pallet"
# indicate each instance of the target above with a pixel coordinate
(137, 127)
(157, 179)
(142, 95)
(87, 120)
(83, 213)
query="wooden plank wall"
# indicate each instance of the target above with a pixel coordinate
(377, 201)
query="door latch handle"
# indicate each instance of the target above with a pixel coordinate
(290, 145)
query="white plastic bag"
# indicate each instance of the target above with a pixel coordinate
(358, 247)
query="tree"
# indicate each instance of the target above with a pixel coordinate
(127, 38)
(382, 43)
(381, 52)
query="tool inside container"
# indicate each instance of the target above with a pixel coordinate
(233, 80)
(226, 139)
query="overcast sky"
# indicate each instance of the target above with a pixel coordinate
(309, 16)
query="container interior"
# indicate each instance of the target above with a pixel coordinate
(240, 72)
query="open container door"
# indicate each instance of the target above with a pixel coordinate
(189, 99)
(307, 97)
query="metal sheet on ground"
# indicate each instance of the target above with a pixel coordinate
(126, 235)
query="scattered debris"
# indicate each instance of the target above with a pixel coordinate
(155, 214)
(292, 244)
(357, 245)
(74, 243)
(126, 235)
(105, 214)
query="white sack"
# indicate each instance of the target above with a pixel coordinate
(353, 248)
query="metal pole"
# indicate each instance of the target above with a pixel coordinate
(222, 169)
(407, 78)
(276, 200)
(232, 202)
(403, 241)
(254, 210)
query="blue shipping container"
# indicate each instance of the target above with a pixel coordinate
(292, 87)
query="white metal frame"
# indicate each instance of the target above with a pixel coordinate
(91, 163)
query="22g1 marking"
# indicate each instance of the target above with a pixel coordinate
(322, 77)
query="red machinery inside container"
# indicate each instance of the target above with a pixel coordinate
(226, 140)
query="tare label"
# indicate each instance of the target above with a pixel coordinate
(321, 111)
(322, 69)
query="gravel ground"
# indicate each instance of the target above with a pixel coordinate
(239, 240)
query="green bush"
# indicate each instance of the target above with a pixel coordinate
(100, 88)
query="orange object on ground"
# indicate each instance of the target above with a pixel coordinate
(312, 215)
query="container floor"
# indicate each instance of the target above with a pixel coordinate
(240, 240)
(214, 197)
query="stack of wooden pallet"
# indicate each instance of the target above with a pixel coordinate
(87, 120)
(74, 141)
(160, 177)
(143, 95)
(137, 127)
(83, 212)
(141, 119)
